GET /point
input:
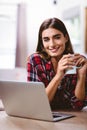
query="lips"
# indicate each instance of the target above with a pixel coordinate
(53, 50)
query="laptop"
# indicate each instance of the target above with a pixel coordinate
(28, 100)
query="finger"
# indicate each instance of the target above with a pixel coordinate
(67, 56)
(81, 61)
(77, 56)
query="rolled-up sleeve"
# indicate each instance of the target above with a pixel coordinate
(69, 84)
(76, 104)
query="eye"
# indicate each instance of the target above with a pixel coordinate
(46, 39)
(57, 36)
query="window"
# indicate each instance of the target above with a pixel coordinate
(8, 26)
(73, 27)
(72, 21)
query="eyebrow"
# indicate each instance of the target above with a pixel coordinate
(53, 36)
(56, 35)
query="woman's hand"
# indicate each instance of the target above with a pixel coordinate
(66, 62)
(79, 59)
(81, 63)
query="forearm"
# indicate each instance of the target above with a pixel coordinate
(52, 87)
(80, 87)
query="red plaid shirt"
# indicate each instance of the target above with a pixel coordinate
(41, 70)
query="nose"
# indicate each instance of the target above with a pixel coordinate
(52, 43)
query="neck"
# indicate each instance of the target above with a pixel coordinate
(54, 61)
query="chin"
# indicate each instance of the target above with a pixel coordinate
(55, 54)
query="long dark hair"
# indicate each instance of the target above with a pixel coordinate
(56, 24)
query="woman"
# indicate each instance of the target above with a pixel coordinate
(54, 55)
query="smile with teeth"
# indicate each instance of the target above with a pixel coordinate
(55, 49)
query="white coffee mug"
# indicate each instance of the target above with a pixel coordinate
(71, 71)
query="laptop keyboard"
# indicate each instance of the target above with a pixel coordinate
(54, 116)
(61, 115)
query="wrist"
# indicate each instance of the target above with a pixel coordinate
(58, 77)
(82, 77)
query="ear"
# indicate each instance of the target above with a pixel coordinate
(66, 37)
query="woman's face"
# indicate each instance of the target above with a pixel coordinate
(54, 42)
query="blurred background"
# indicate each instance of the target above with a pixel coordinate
(20, 21)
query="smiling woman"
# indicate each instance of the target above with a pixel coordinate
(49, 65)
